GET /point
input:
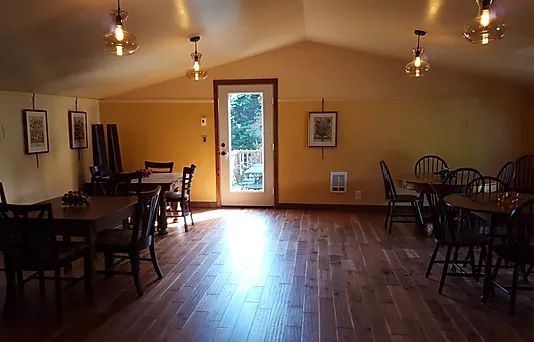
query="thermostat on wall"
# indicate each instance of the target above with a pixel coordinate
(203, 121)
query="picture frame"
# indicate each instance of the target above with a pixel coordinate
(78, 138)
(35, 125)
(322, 129)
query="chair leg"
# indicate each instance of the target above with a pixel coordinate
(154, 258)
(57, 280)
(391, 217)
(182, 209)
(108, 263)
(41, 282)
(481, 258)
(432, 259)
(20, 278)
(513, 290)
(386, 218)
(191, 215)
(474, 269)
(134, 261)
(445, 269)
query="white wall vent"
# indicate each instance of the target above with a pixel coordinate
(338, 182)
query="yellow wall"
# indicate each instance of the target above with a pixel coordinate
(60, 169)
(167, 132)
(470, 120)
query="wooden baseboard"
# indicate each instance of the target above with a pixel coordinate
(204, 204)
(340, 207)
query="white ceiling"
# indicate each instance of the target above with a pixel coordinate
(53, 46)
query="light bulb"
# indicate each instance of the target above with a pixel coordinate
(485, 38)
(119, 33)
(485, 18)
(197, 76)
(417, 73)
(417, 61)
(196, 66)
(119, 50)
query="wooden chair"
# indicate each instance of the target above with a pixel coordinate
(460, 178)
(517, 248)
(507, 174)
(120, 184)
(524, 174)
(159, 167)
(128, 244)
(447, 234)
(429, 164)
(486, 185)
(28, 245)
(99, 184)
(3, 199)
(392, 199)
(183, 197)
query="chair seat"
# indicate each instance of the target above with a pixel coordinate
(519, 255)
(50, 256)
(172, 196)
(406, 198)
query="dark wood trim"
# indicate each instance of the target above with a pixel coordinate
(338, 207)
(216, 84)
(203, 204)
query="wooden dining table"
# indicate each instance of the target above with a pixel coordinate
(87, 221)
(168, 182)
(494, 210)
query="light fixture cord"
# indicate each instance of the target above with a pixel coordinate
(119, 6)
(418, 39)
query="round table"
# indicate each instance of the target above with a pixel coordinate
(486, 204)
(421, 183)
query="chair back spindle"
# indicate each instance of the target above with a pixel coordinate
(429, 164)
(389, 186)
(507, 174)
(145, 218)
(524, 174)
(460, 178)
(159, 167)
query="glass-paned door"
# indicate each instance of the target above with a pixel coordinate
(246, 145)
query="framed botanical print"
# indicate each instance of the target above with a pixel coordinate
(35, 123)
(78, 130)
(322, 129)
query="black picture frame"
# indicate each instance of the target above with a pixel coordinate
(330, 139)
(78, 138)
(35, 125)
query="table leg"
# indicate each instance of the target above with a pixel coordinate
(488, 281)
(162, 216)
(89, 264)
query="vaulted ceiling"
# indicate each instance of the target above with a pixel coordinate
(54, 47)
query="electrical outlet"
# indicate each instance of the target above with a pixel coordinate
(204, 138)
(358, 195)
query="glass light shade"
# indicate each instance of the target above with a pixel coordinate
(196, 73)
(119, 41)
(486, 27)
(418, 66)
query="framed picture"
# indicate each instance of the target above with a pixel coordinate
(78, 130)
(35, 124)
(322, 129)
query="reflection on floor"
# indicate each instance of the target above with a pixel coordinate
(275, 275)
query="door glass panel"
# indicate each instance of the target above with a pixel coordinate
(245, 111)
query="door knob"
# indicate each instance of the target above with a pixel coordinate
(223, 153)
(223, 145)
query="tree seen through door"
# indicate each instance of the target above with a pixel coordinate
(246, 141)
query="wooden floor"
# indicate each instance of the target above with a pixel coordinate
(278, 275)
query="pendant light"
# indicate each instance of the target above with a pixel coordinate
(119, 41)
(486, 27)
(418, 66)
(195, 73)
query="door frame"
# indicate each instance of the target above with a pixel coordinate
(255, 81)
